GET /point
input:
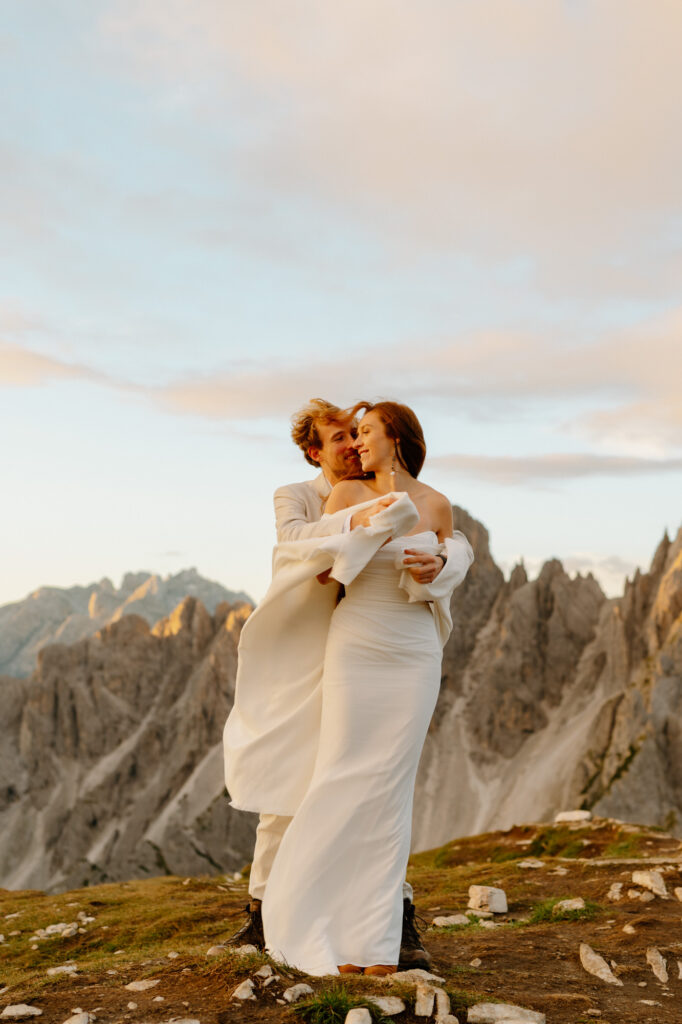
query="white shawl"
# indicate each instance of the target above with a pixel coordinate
(271, 735)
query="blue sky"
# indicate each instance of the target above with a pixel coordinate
(211, 212)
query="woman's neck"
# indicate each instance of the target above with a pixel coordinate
(387, 481)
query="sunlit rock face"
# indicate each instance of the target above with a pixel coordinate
(111, 760)
(558, 698)
(553, 697)
(65, 615)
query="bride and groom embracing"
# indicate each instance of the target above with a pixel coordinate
(339, 672)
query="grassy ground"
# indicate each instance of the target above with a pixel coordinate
(161, 929)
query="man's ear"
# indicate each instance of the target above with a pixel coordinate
(314, 454)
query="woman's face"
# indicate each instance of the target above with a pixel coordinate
(373, 445)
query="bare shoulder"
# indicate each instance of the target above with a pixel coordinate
(347, 493)
(436, 500)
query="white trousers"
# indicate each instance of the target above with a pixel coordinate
(271, 828)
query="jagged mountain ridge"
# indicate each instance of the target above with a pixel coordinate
(552, 696)
(67, 614)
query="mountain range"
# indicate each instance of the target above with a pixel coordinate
(553, 697)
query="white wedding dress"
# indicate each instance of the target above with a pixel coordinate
(334, 895)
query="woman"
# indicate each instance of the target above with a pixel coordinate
(334, 896)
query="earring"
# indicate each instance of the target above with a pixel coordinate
(395, 452)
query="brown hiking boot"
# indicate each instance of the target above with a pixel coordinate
(412, 952)
(251, 932)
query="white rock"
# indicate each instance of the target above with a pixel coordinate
(652, 880)
(112, 972)
(650, 1002)
(215, 950)
(183, 1020)
(445, 922)
(358, 1015)
(487, 897)
(679, 969)
(657, 964)
(64, 969)
(559, 871)
(423, 1004)
(265, 971)
(442, 1004)
(79, 1018)
(172, 955)
(490, 924)
(270, 980)
(597, 965)
(629, 929)
(142, 986)
(244, 991)
(476, 962)
(491, 1013)
(678, 892)
(415, 974)
(158, 999)
(639, 894)
(245, 950)
(531, 862)
(577, 904)
(21, 1011)
(573, 816)
(479, 913)
(132, 1006)
(615, 892)
(296, 992)
(390, 1006)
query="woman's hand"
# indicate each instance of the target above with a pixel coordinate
(363, 518)
(422, 567)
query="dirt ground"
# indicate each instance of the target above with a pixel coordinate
(531, 958)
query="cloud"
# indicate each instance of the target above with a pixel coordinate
(511, 126)
(514, 469)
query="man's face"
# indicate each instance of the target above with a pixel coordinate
(336, 455)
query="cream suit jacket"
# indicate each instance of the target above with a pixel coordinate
(299, 509)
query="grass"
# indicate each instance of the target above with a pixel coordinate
(625, 844)
(544, 911)
(332, 1005)
(556, 842)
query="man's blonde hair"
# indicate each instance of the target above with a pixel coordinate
(305, 423)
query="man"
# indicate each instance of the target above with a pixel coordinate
(325, 435)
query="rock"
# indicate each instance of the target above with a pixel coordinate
(271, 979)
(615, 893)
(78, 1018)
(476, 962)
(491, 924)
(244, 991)
(492, 1013)
(20, 1011)
(265, 971)
(487, 897)
(559, 871)
(442, 1004)
(132, 1006)
(651, 880)
(575, 904)
(158, 999)
(629, 929)
(245, 950)
(142, 986)
(215, 950)
(415, 974)
(597, 965)
(446, 922)
(678, 892)
(639, 894)
(573, 816)
(425, 997)
(64, 969)
(296, 992)
(358, 1015)
(657, 964)
(479, 913)
(532, 863)
(390, 1006)
(172, 955)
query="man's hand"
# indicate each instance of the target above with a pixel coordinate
(422, 567)
(363, 518)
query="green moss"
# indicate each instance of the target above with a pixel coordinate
(332, 1005)
(544, 911)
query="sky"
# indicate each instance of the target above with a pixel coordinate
(212, 211)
